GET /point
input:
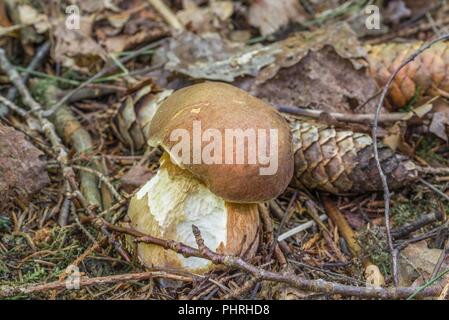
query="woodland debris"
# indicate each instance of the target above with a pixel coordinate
(211, 18)
(427, 74)
(271, 15)
(373, 275)
(209, 56)
(287, 277)
(342, 161)
(74, 134)
(76, 49)
(418, 262)
(130, 28)
(132, 120)
(23, 170)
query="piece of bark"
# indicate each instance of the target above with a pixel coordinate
(22, 166)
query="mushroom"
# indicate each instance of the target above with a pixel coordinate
(198, 184)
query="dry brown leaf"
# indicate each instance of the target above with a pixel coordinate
(127, 29)
(211, 57)
(76, 49)
(271, 15)
(440, 124)
(418, 262)
(325, 70)
(205, 19)
(393, 137)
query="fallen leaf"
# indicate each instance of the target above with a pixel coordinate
(130, 28)
(205, 19)
(30, 16)
(76, 49)
(440, 124)
(211, 57)
(417, 263)
(271, 15)
(325, 70)
(393, 137)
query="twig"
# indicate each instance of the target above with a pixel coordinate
(8, 291)
(433, 188)
(273, 245)
(167, 14)
(102, 178)
(383, 178)
(347, 117)
(50, 133)
(300, 228)
(441, 259)
(36, 108)
(41, 53)
(286, 214)
(75, 135)
(12, 106)
(417, 224)
(80, 225)
(433, 171)
(237, 294)
(100, 223)
(289, 278)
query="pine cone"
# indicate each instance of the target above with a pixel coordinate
(426, 75)
(131, 122)
(342, 161)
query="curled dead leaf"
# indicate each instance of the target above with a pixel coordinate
(76, 49)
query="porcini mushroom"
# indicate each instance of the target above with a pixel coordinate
(200, 184)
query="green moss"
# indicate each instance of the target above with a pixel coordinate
(5, 224)
(425, 150)
(374, 245)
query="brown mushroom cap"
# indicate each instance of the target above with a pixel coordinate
(222, 106)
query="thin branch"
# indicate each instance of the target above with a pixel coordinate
(167, 14)
(433, 188)
(8, 291)
(346, 117)
(41, 53)
(289, 278)
(103, 179)
(383, 178)
(12, 106)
